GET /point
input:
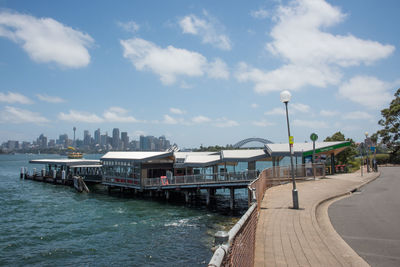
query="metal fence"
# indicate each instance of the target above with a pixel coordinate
(202, 178)
(239, 251)
(243, 245)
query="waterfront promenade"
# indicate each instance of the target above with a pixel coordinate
(305, 237)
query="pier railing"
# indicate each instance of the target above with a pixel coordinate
(240, 246)
(223, 177)
(121, 180)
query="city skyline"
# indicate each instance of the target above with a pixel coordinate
(98, 142)
(197, 72)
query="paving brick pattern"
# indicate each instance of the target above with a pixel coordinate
(305, 237)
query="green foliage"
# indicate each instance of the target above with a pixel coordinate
(382, 158)
(354, 165)
(390, 133)
(348, 154)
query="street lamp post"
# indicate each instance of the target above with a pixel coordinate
(285, 98)
(367, 144)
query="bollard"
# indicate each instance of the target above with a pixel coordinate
(221, 237)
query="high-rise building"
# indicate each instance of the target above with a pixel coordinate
(42, 141)
(63, 140)
(86, 138)
(103, 140)
(52, 143)
(144, 143)
(97, 136)
(124, 141)
(115, 139)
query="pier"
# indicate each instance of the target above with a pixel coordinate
(167, 173)
(64, 171)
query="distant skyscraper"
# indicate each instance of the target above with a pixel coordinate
(63, 140)
(86, 138)
(97, 136)
(42, 141)
(124, 140)
(115, 139)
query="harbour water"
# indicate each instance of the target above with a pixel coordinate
(48, 225)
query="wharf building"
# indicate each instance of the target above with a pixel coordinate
(188, 172)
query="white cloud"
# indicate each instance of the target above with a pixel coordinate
(171, 120)
(218, 69)
(276, 111)
(118, 114)
(288, 77)
(185, 85)
(129, 26)
(254, 105)
(260, 13)
(366, 90)
(312, 55)
(80, 116)
(328, 113)
(17, 115)
(50, 99)
(262, 123)
(208, 28)
(357, 115)
(169, 62)
(47, 40)
(200, 119)
(300, 107)
(11, 97)
(177, 111)
(310, 124)
(225, 123)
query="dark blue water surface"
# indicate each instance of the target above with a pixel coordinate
(51, 225)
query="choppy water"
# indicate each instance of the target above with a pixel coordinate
(52, 225)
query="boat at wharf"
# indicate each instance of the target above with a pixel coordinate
(64, 171)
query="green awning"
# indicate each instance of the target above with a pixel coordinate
(340, 146)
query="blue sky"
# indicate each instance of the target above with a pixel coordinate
(199, 72)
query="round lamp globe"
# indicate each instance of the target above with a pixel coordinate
(285, 96)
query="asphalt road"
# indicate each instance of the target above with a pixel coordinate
(369, 220)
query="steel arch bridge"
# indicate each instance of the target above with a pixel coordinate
(254, 139)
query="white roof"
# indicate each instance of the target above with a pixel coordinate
(67, 162)
(135, 155)
(182, 155)
(202, 160)
(243, 155)
(86, 166)
(298, 148)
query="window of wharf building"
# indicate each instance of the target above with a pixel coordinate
(126, 169)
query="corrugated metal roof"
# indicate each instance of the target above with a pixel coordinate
(298, 148)
(86, 166)
(201, 160)
(135, 155)
(181, 155)
(67, 162)
(243, 155)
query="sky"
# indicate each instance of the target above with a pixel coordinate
(198, 72)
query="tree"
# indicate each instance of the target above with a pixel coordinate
(346, 155)
(391, 126)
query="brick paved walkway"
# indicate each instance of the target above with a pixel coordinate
(305, 237)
